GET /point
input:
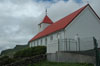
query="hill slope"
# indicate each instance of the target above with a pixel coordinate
(10, 52)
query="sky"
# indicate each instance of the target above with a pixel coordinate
(19, 19)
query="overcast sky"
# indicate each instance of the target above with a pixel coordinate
(19, 18)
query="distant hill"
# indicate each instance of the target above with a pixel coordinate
(10, 52)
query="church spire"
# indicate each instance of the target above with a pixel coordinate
(87, 2)
(46, 12)
(45, 22)
(47, 19)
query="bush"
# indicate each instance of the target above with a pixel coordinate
(6, 60)
(4, 57)
(28, 52)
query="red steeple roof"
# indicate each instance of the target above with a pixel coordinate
(47, 20)
(61, 24)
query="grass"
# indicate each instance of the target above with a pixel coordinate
(46, 63)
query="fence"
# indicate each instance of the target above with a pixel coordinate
(67, 45)
(82, 47)
(82, 44)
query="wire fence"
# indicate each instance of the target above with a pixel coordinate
(86, 46)
(81, 44)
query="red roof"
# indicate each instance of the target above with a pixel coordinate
(47, 20)
(61, 24)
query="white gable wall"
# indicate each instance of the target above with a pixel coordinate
(85, 24)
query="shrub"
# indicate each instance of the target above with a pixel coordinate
(28, 52)
(4, 57)
(6, 60)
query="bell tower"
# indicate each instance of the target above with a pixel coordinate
(45, 22)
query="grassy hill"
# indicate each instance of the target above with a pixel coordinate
(10, 52)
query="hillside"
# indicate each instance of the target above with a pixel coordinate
(10, 52)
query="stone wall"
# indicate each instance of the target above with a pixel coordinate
(70, 57)
(27, 61)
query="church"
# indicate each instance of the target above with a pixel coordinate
(82, 23)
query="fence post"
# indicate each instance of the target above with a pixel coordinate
(77, 38)
(96, 51)
(79, 43)
(66, 43)
(69, 44)
(76, 45)
(58, 44)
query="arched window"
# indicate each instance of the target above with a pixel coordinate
(34, 43)
(41, 41)
(30, 44)
(45, 41)
(51, 37)
(37, 42)
(40, 25)
(58, 35)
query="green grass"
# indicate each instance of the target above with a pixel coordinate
(46, 63)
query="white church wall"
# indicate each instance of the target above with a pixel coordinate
(53, 44)
(85, 25)
(54, 36)
(61, 43)
(43, 41)
(86, 43)
(62, 34)
(35, 42)
(52, 47)
(30, 45)
(49, 39)
(39, 42)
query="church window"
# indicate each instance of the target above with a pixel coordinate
(58, 35)
(45, 41)
(51, 37)
(41, 41)
(34, 43)
(40, 25)
(37, 42)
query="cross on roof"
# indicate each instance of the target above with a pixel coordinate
(46, 11)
